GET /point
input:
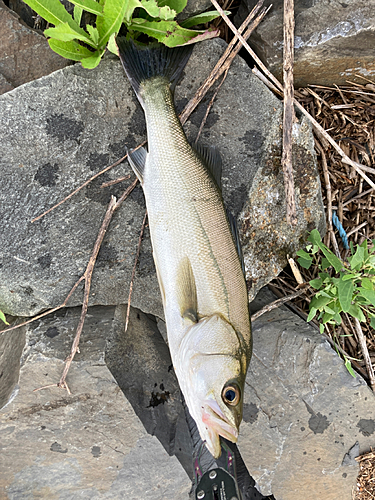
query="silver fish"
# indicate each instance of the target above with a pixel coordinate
(195, 251)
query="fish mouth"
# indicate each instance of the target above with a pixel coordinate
(217, 425)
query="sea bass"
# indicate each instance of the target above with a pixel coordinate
(195, 248)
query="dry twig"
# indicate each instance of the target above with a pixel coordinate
(277, 303)
(288, 116)
(366, 356)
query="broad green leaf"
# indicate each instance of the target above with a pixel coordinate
(3, 318)
(321, 328)
(65, 33)
(325, 263)
(367, 284)
(319, 302)
(69, 50)
(372, 321)
(110, 22)
(349, 367)
(356, 312)
(368, 294)
(152, 8)
(89, 6)
(112, 47)
(337, 318)
(345, 291)
(52, 11)
(327, 317)
(305, 263)
(317, 283)
(350, 276)
(177, 5)
(92, 61)
(93, 33)
(205, 17)
(77, 14)
(131, 6)
(331, 257)
(312, 313)
(304, 255)
(170, 33)
(365, 248)
(358, 257)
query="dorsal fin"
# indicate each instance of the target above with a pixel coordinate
(236, 237)
(137, 160)
(211, 157)
(186, 291)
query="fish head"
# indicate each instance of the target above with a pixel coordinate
(211, 370)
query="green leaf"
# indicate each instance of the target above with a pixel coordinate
(171, 33)
(329, 310)
(367, 284)
(315, 238)
(312, 313)
(89, 6)
(317, 283)
(92, 61)
(112, 47)
(372, 321)
(327, 317)
(69, 50)
(306, 264)
(177, 5)
(325, 263)
(93, 33)
(368, 294)
(356, 312)
(345, 292)
(331, 258)
(350, 276)
(319, 302)
(357, 260)
(3, 318)
(77, 14)
(65, 33)
(154, 10)
(205, 17)
(349, 367)
(304, 255)
(110, 22)
(51, 10)
(321, 328)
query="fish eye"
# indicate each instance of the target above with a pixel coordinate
(231, 395)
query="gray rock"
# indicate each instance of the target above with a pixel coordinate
(305, 417)
(25, 54)
(194, 7)
(59, 130)
(334, 40)
(11, 347)
(88, 445)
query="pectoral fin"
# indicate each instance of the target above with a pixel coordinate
(137, 160)
(187, 292)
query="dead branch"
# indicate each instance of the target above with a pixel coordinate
(288, 116)
(365, 353)
(277, 303)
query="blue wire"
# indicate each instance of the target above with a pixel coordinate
(341, 230)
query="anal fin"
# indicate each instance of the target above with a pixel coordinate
(236, 238)
(137, 159)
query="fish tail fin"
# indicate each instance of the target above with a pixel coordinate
(145, 62)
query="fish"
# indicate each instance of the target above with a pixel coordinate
(196, 249)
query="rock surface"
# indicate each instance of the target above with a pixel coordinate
(56, 132)
(334, 40)
(87, 445)
(25, 54)
(305, 417)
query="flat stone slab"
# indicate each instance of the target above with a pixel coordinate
(334, 41)
(88, 445)
(305, 417)
(25, 53)
(58, 131)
